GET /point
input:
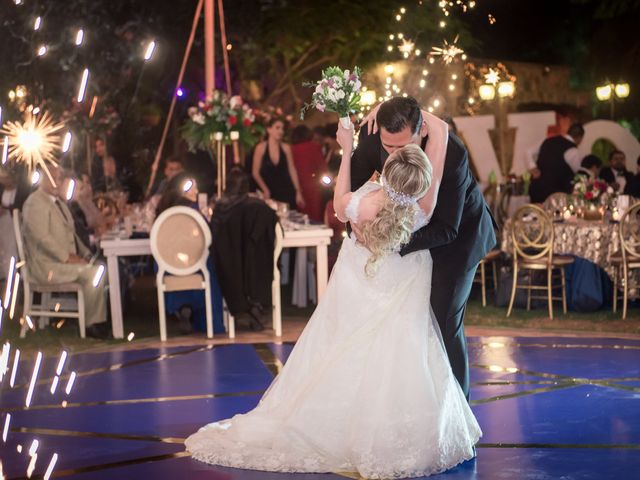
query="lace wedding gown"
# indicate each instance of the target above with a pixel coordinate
(367, 388)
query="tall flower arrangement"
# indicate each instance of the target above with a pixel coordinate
(224, 114)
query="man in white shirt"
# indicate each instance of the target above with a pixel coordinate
(558, 160)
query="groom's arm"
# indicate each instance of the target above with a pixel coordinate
(445, 223)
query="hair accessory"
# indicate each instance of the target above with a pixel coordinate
(399, 198)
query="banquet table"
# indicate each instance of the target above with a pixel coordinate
(318, 236)
(595, 241)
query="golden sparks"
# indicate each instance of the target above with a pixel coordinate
(34, 141)
(493, 77)
(448, 51)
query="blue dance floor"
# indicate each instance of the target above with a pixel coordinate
(550, 408)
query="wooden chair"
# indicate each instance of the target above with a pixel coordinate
(46, 291)
(628, 259)
(180, 240)
(481, 273)
(532, 237)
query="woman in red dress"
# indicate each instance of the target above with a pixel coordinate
(311, 166)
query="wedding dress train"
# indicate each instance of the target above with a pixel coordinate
(367, 388)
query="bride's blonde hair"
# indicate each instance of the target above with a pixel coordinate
(407, 171)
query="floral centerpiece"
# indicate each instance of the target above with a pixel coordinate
(590, 190)
(338, 91)
(224, 114)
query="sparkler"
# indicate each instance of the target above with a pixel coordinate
(130, 336)
(448, 51)
(32, 465)
(34, 447)
(29, 322)
(42, 50)
(83, 85)
(34, 377)
(4, 360)
(70, 189)
(54, 384)
(34, 141)
(79, 37)
(63, 358)
(37, 24)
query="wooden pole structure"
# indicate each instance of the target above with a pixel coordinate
(156, 161)
(225, 52)
(209, 48)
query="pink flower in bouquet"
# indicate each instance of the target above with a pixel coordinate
(320, 107)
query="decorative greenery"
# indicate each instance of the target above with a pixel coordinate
(223, 114)
(590, 190)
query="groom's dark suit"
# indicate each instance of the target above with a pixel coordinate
(460, 233)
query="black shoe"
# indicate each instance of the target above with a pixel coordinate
(98, 330)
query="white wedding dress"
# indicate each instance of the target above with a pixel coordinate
(367, 388)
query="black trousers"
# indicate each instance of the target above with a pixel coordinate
(449, 295)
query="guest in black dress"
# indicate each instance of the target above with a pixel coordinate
(273, 168)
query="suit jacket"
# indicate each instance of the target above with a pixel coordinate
(243, 234)
(608, 175)
(50, 238)
(462, 230)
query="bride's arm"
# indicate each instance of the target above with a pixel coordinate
(436, 151)
(342, 192)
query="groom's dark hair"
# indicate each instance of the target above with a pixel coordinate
(398, 113)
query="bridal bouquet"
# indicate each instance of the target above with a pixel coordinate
(231, 116)
(338, 91)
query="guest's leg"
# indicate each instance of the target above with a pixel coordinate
(449, 300)
(216, 299)
(94, 297)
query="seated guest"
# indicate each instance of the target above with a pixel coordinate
(590, 167)
(55, 254)
(14, 189)
(88, 220)
(243, 231)
(188, 306)
(172, 167)
(310, 165)
(617, 175)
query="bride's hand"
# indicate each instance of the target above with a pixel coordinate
(370, 120)
(344, 136)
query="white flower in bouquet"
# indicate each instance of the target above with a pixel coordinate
(338, 91)
(198, 118)
(610, 190)
(235, 102)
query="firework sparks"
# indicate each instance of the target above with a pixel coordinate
(52, 464)
(79, 37)
(4, 360)
(66, 143)
(5, 430)
(130, 336)
(63, 358)
(34, 447)
(34, 141)
(32, 465)
(448, 51)
(83, 85)
(14, 296)
(407, 46)
(72, 379)
(7, 292)
(5, 150)
(492, 77)
(34, 377)
(54, 384)
(14, 370)
(98, 276)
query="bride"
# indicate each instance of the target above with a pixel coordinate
(368, 387)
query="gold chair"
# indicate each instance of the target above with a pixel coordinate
(532, 237)
(628, 259)
(481, 273)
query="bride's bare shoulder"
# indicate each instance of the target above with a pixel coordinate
(369, 207)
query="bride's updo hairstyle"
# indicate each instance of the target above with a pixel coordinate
(406, 177)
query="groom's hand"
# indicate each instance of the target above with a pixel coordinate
(370, 120)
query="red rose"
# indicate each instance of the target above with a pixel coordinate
(246, 122)
(588, 195)
(233, 120)
(206, 108)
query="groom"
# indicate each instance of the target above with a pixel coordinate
(461, 230)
